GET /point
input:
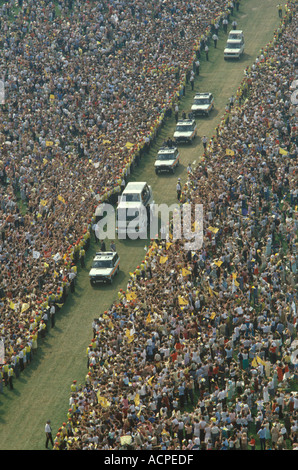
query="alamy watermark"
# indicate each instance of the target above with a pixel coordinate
(155, 221)
(2, 92)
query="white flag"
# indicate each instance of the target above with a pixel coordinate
(57, 257)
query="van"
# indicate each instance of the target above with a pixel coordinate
(234, 48)
(133, 210)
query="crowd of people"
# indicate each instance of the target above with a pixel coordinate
(87, 84)
(199, 352)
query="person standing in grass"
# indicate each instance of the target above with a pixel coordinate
(48, 431)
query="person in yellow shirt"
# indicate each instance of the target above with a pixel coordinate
(74, 387)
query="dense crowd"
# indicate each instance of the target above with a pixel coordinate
(86, 86)
(200, 351)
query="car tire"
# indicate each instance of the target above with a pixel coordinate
(156, 171)
(92, 283)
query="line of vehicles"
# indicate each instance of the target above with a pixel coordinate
(167, 159)
(136, 200)
(133, 209)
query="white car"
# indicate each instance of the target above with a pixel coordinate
(234, 48)
(133, 209)
(167, 159)
(203, 104)
(186, 131)
(104, 268)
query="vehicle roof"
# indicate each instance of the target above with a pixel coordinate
(202, 94)
(167, 149)
(186, 121)
(236, 31)
(134, 186)
(105, 254)
(234, 40)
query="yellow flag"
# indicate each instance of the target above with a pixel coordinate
(128, 335)
(230, 152)
(131, 296)
(149, 382)
(43, 202)
(260, 361)
(163, 259)
(168, 245)
(213, 229)
(282, 151)
(254, 363)
(148, 319)
(210, 291)
(182, 301)
(60, 198)
(128, 145)
(103, 401)
(137, 399)
(12, 305)
(25, 307)
(185, 272)
(218, 263)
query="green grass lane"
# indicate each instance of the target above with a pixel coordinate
(42, 392)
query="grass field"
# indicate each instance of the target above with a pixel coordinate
(43, 390)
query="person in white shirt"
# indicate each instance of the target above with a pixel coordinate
(48, 431)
